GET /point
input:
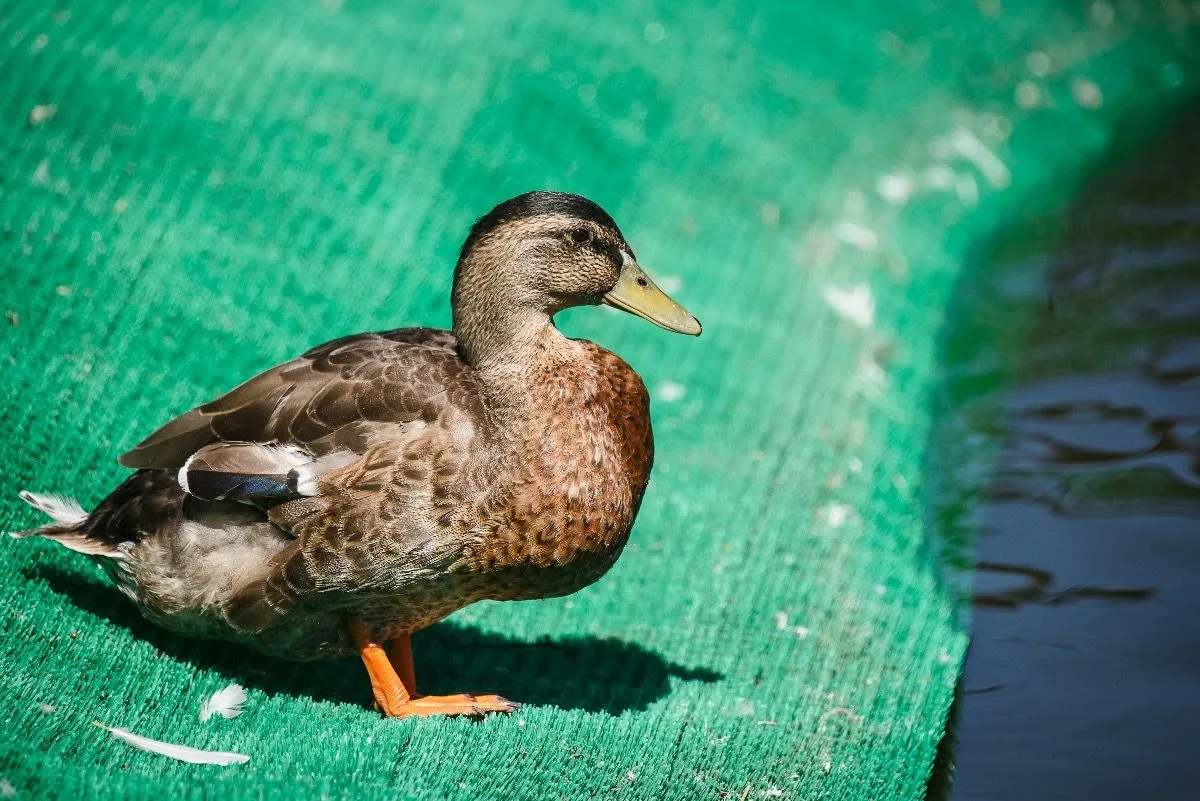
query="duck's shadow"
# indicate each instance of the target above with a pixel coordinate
(589, 673)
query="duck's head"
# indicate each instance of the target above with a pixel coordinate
(540, 253)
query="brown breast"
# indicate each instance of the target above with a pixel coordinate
(581, 459)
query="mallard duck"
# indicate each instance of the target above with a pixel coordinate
(341, 501)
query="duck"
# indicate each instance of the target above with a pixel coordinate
(339, 502)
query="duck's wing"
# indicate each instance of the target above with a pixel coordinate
(274, 435)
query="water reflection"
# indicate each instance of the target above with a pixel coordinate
(1037, 587)
(1073, 372)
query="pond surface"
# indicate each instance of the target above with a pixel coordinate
(1083, 681)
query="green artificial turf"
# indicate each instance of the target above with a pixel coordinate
(192, 192)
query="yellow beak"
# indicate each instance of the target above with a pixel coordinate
(637, 294)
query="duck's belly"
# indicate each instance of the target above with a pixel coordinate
(531, 581)
(318, 630)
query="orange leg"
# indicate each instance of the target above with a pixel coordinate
(390, 695)
(395, 693)
(401, 654)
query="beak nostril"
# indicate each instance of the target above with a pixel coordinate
(642, 282)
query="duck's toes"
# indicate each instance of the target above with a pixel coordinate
(460, 704)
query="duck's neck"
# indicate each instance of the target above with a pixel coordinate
(502, 320)
(509, 341)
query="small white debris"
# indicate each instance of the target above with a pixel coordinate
(1103, 14)
(1086, 93)
(967, 189)
(860, 236)
(871, 379)
(654, 32)
(889, 43)
(41, 173)
(855, 201)
(994, 126)
(6, 789)
(1038, 63)
(895, 187)
(781, 620)
(49, 709)
(226, 702)
(629, 774)
(769, 213)
(837, 711)
(669, 392)
(40, 113)
(856, 305)
(835, 514)
(856, 464)
(802, 632)
(183, 753)
(970, 147)
(1028, 95)
(938, 176)
(943, 657)
(774, 792)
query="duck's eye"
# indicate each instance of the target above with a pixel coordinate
(581, 236)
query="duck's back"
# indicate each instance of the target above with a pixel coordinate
(346, 394)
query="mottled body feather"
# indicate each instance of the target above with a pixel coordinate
(458, 492)
(380, 482)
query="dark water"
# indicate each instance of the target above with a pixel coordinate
(1083, 680)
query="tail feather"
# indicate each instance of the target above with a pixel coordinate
(62, 510)
(68, 528)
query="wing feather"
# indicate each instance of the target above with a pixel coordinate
(341, 395)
